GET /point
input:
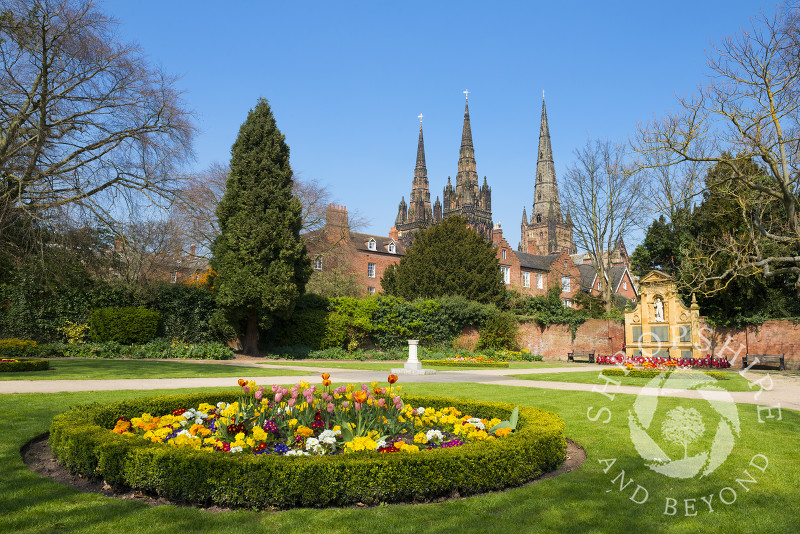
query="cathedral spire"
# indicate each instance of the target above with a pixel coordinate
(467, 176)
(420, 214)
(546, 205)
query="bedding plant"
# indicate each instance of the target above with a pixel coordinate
(306, 420)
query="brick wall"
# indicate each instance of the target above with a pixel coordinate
(772, 337)
(555, 341)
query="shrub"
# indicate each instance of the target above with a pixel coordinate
(24, 365)
(652, 373)
(499, 332)
(158, 348)
(446, 363)
(124, 325)
(76, 333)
(82, 441)
(15, 348)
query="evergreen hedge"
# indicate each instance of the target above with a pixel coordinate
(156, 349)
(652, 373)
(24, 365)
(446, 363)
(123, 325)
(82, 441)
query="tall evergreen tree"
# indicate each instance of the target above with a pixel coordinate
(259, 255)
(448, 258)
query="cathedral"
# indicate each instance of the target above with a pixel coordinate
(548, 231)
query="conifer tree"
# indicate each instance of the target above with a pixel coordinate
(448, 258)
(259, 255)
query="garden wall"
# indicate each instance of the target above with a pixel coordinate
(555, 341)
(772, 337)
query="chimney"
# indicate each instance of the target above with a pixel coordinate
(393, 233)
(497, 233)
(337, 225)
(192, 250)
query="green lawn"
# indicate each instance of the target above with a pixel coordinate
(108, 369)
(385, 366)
(734, 383)
(586, 500)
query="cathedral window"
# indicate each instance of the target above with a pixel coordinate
(318, 263)
(506, 274)
(372, 245)
(371, 270)
(526, 279)
(538, 217)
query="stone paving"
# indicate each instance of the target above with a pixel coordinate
(778, 390)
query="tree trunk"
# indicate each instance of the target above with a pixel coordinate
(251, 334)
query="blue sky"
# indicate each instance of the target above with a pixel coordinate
(346, 81)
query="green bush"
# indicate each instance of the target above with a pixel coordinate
(446, 363)
(16, 348)
(186, 312)
(82, 441)
(652, 373)
(124, 325)
(499, 332)
(24, 365)
(158, 348)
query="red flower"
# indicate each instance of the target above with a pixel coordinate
(242, 382)
(325, 376)
(392, 379)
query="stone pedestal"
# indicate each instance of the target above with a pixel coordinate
(413, 366)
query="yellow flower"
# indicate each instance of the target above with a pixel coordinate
(360, 443)
(303, 431)
(500, 432)
(292, 422)
(420, 438)
(405, 447)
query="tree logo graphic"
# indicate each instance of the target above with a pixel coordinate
(683, 426)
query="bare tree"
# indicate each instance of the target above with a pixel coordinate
(147, 250)
(85, 122)
(749, 110)
(604, 198)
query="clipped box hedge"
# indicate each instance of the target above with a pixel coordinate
(24, 365)
(82, 441)
(445, 363)
(123, 325)
(652, 373)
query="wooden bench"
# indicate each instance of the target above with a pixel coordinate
(764, 359)
(588, 354)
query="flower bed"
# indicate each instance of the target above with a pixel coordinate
(12, 365)
(467, 361)
(353, 467)
(652, 373)
(661, 362)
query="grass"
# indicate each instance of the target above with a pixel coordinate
(586, 500)
(85, 369)
(385, 366)
(734, 383)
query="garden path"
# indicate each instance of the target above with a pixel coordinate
(778, 390)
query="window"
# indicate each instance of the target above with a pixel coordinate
(567, 303)
(539, 281)
(565, 285)
(526, 279)
(371, 270)
(506, 274)
(599, 286)
(504, 253)
(392, 248)
(318, 263)
(371, 290)
(624, 285)
(371, 245)
(173, 277)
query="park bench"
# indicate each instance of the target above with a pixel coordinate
(588, 354)
(764, 359)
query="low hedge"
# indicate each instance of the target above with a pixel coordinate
(123, 325)
(652, 373)
(82, 441)
(24, 365)
(446, 363)
(160, 349)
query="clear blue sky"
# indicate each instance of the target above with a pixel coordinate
(346, 81)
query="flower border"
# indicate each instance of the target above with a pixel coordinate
(81, 440)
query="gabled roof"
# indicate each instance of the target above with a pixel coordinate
(656, 277)
(540, 262)
(587, 275)
(381, 243)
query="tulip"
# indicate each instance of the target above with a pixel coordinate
(357, 405)
(330, 407)
(381, 402)
(345, 404)
(246, 390)
(242, 382)
(364, 387)
(278, 396)
(259, 395)
(275, 387)
(291, 403)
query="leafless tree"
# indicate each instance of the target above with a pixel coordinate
(147, 250)
(749, 109)
(85, 122)
(604, 196)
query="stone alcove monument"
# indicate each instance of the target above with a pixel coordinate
(661, 325)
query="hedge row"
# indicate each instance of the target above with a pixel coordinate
(652, 373)
(24, 365)
(81, 440)
(447, 363)
(157, 349)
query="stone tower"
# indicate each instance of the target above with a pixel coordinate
(547, 232)
(468, 199)
(418, 214)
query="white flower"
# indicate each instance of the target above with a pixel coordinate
(183, 432)
(184, 422)
(295, 452)
(236, 449)
(434, 435)
(476, 422)
(381, 444)
(328, 437)
(420, 411)
(198, 421)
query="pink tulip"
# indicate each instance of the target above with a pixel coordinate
(246, 390)
(295, 393)
(364, 387)
(330, 407)
(259, 395)
(275, 387)
(291, 403)
(278, 396)
(345, 404)
(357, 405)
(381, 402)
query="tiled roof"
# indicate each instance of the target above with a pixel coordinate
(360, 241)
(539, 262)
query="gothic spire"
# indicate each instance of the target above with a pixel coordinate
(467, 177)
(545, 195)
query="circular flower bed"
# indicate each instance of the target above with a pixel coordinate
(13, 364)
(308, 447)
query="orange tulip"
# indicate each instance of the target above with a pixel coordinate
(242, 382)
(392, 379)
(360, 396)
(326, 382)
(325, 376)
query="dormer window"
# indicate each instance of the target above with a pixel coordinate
(372, 245)
(392, 248)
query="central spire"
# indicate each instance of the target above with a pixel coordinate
(546, 205)
(467, 176)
